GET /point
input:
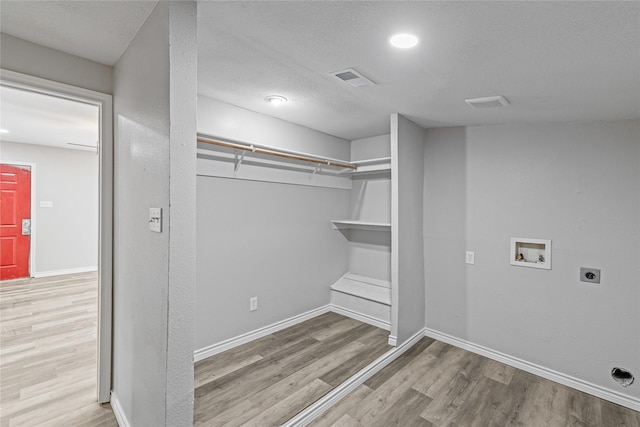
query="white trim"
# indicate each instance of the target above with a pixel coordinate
(393, 340)
(316, 409)
(65, 271)
(32, 214)
(230, 343)
(121, 418)
(575, 383)
(361, 317)
(105, 281)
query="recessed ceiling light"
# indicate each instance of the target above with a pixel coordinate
(275, 100)
(4, 131)
(403, 41)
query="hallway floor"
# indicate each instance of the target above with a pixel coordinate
(48, 353)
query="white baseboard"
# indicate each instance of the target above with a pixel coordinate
(65, 271)
(578, 384)
(392, 340)
(316, 409)
(118, 412)
(379, 323)
(230, 343)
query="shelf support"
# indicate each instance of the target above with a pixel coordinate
(237, 161)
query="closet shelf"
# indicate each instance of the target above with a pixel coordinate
(360, 225)
(364, 287)
(372, 166)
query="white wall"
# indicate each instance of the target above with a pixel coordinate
(370, 252)
(154, 273)
(35, 60)
(577, 184)
(407, 267)
(264, 239)
(66, 235)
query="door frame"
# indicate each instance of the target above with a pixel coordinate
(32, 213)
(105, 250)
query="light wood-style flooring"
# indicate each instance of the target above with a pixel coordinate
(48, 353)
(435, 384)
(48, 374)
(269, 380)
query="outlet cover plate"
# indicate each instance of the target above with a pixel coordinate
(471, 257)
(589, 275)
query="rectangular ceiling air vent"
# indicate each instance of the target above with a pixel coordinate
(353, 78)
(487, 102)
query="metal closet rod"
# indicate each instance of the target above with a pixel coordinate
(273, 152)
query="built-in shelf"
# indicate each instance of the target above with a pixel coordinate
(372, 166)
(360, 225)
(364, 287)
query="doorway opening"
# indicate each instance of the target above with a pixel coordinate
(45, 262)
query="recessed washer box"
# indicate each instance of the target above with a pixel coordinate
(533, 253)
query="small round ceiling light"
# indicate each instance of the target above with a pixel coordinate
(4, 131)
(404, 41)
(276, 100)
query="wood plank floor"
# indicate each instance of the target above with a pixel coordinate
(48, 374)
(269, 380)
(435, 384)
(48, 353)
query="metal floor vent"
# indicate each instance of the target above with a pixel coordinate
(352, 77)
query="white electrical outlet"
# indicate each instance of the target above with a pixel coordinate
(155, 219)
(253, 303)
(471, 257)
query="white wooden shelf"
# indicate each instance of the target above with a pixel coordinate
(364, 287)
(372, 166)
(360, 225)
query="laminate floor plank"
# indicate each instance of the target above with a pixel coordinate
(435, 384)
(48, 353)
(285, 376)
(407, 413)
(343, 407)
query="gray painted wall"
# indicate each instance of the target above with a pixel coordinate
(39, 61)
(264, 239)
(577, 184)
(407, 262)
(370, 252)
(66, 235)
(154, 104)
(269, 240)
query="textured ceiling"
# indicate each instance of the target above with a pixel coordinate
(96, 30)
(555, 61)
(35, 118)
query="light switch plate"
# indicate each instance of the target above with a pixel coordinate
(46, 204)
(155, 219)
(471, 257)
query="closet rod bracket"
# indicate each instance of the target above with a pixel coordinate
(237, 160)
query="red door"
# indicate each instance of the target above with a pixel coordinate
(15, 207)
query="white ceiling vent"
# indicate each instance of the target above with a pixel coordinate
(487, 102)
(353, 78)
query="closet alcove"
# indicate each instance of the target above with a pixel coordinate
(323, 225)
